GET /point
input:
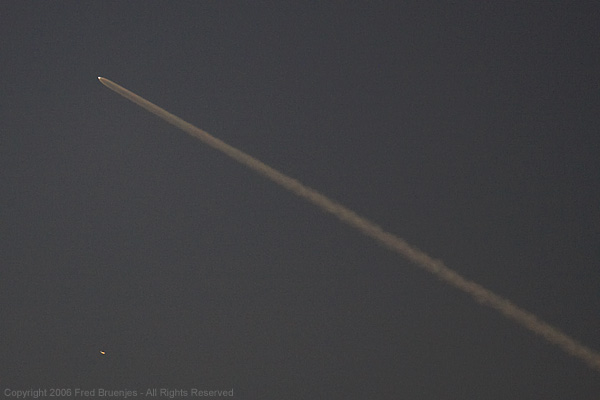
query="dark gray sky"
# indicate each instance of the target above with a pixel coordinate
(470, 130)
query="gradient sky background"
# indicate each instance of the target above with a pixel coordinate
(469, 129)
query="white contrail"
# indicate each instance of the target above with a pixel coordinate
(482, 295)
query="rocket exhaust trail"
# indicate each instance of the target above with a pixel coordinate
(479, 293)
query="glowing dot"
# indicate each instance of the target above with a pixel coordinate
(102, 352)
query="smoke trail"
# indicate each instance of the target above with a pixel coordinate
(394, 243)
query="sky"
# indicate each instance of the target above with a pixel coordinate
(469, 129)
